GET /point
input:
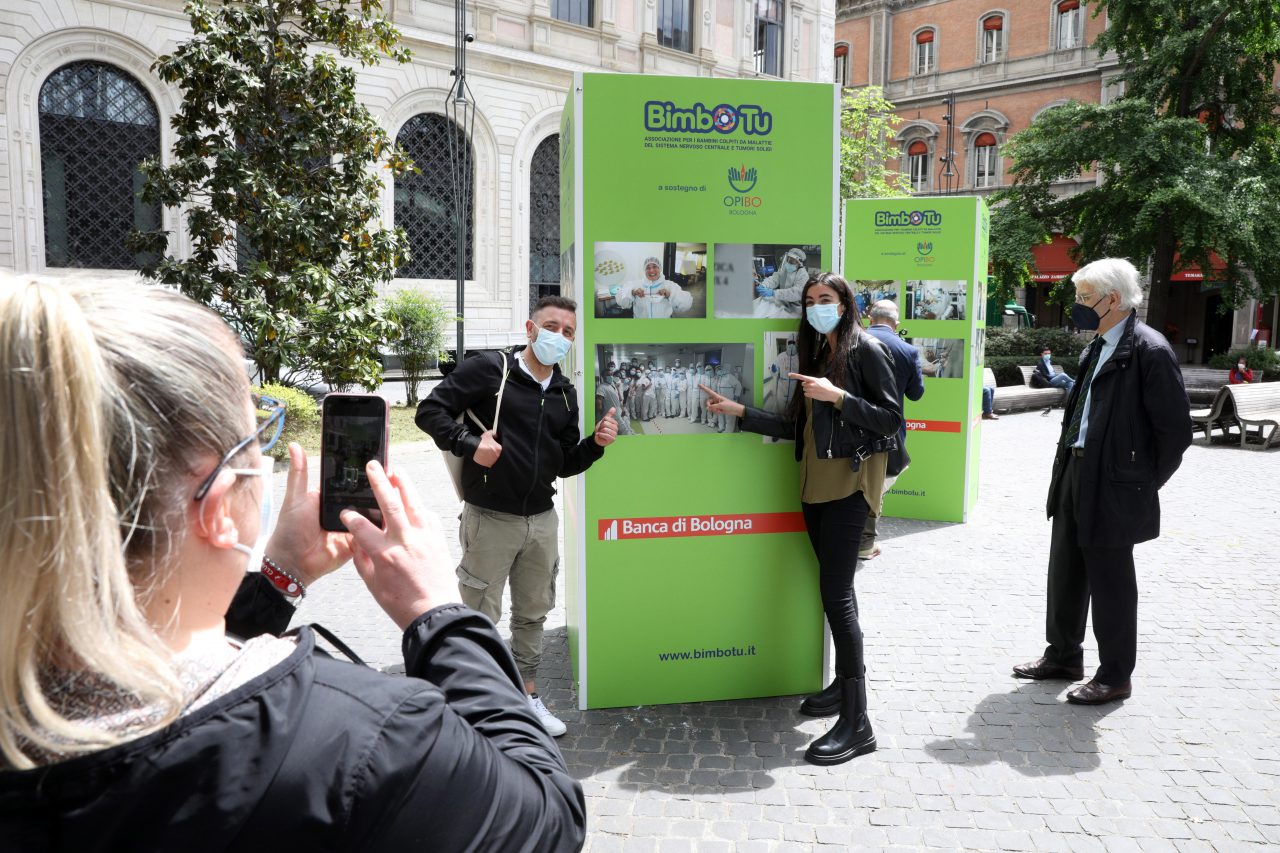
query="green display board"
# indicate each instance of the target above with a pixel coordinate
(930, 256)
(687, 572)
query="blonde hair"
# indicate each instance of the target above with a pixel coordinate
(112, 393)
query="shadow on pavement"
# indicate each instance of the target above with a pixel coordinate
(1031, 729)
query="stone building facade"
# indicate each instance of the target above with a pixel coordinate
(81, 70)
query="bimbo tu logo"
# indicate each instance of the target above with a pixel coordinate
(666, 117)
(742, 179)
(905, 219)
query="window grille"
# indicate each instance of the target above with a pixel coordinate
(544, 220)
(97, 125)
(424, 202)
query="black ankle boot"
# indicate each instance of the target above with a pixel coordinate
(825, 702)
(851, 736)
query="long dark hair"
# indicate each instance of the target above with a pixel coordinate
(811, 345)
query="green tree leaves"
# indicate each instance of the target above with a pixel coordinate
(866, 145)
(276, 169)
(1187, 155)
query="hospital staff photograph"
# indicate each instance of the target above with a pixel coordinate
(940, 358)
(656, 387)
(781, 359)
(650, 281)
(935, 299)
(762, 281)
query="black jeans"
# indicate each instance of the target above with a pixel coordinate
(835, 528)
(1078, 577)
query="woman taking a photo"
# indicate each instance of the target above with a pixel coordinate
(844, 422)
(137, 496)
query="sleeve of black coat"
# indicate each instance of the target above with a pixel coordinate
(915, 385)
(767, 423)
(258, 608)
(1164, 398)
(437, 414)
(464, 764)
(579, 453)
(876, 409)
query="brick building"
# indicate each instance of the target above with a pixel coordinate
(1005, 62)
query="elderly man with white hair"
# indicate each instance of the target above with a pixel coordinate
(1126, 425)
(655, 298)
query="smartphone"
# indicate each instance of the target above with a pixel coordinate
(353, 430)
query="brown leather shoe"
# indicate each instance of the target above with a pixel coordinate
(1097, 693)
(1042, 669)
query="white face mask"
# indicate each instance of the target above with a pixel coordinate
(259, 547)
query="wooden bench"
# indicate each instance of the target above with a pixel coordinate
(1221, 414)
(1020, 398)
(1256, 404)
(1202, 383)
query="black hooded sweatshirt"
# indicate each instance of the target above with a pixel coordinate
(538, 431)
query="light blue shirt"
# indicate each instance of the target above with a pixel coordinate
(1110, 339)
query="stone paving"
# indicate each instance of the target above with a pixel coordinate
(969, 758)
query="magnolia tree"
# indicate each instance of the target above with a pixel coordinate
(278, 171)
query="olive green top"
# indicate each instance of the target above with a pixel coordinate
(823, 480)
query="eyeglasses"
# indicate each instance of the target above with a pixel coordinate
(270, 415)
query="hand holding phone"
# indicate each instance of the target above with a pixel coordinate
(353, 432)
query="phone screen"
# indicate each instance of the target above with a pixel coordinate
(353, 431)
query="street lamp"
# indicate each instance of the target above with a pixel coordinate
(461, 109)
(949, 158)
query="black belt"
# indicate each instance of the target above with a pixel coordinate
(1077, 452)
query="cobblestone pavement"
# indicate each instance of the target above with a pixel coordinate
(969, 758)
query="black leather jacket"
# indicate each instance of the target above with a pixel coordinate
(870, 412)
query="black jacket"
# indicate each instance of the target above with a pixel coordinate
(321, 755)
(1139, 427)
(538, 431)
(871, 403)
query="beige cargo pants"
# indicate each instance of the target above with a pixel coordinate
(497, 547)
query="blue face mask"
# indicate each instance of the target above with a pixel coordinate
(824, 318)
(551, 346)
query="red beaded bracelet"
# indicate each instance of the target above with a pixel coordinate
(282, 580)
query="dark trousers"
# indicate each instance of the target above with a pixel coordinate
(1077, 575)
(834, 530)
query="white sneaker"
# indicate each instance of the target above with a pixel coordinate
(554, 726)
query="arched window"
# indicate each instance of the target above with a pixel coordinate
(985, 161)
(425, 203)
(992, 38)
(544, 220)
(1069, 24)
(842, 64)
(97, 124)
(918, 165)
(924, 56)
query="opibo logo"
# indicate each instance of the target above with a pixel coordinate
(742, 181)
